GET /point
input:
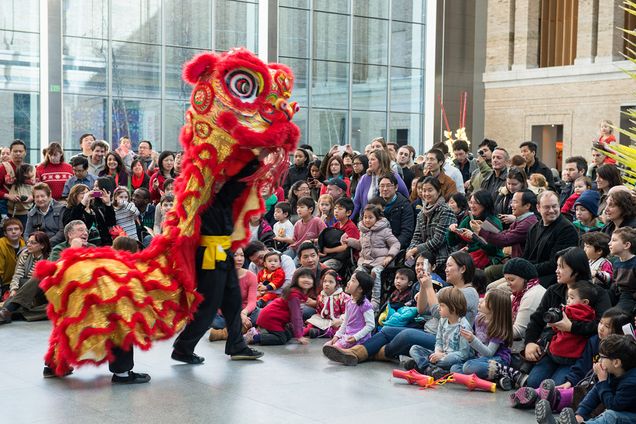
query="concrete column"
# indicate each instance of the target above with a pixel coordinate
(500, 35)
(586, 32)
(610, 42)
(55, 70)
(526, 45)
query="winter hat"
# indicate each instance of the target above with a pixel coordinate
(589, 199)
(521, 268)
(337, 182)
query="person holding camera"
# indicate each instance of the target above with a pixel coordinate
(571, 268)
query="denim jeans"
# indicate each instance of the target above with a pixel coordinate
(480, 366)
(398, 341)
(614, 417)
(420, 356)
(547, 368)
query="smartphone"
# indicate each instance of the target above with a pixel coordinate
(427, 266)
(97, 194)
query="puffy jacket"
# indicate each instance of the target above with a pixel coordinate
(376, 243)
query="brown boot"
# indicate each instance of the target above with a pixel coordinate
(216, 335)
(348, 357)
(381, 356)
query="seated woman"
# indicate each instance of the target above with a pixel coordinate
(46, 215)
(620, 210)
(572, 266)
(481, 208)
(391, 342)
(31, 305)
(429, 237)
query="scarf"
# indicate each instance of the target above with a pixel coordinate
(516, 297)
(428, 210)
(137, 181)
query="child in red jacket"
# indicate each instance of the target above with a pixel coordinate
(270, 279)
(330, 307)
(282, 319)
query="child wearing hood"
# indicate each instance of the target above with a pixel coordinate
(330, 306)
(377, 245)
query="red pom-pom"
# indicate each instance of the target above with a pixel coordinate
(44, 269)
(227, 121)
(197, 66)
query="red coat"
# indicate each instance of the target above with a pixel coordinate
(281, 312)
(272, 280)
(569, 345)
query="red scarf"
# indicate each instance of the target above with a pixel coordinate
(137, 181)
(516, 297)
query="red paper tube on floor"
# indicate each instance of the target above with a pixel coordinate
(473, 382)
(414, 377)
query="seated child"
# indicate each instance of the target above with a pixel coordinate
(165, 204)
(325, 207)
(330, 305)
(581, 184)
(282, 319)
(492, 338)
(401, 296)
(616, 387)
(270, 279)
(283, 228)
(623, 245)
(308, 226)
(334, 257)
(450, 347)
(586, 212)
(126, 213)
(358, 321)
(261, 230)
(596, 246)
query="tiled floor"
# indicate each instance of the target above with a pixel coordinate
(292, 384)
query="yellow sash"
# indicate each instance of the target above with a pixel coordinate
(214, 250)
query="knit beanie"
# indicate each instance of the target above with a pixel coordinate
(521, 268)
(590, 200)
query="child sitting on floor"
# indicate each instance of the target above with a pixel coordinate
(282, 319)
(358, 321)
(330, 305)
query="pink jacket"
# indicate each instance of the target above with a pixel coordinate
(376, 243)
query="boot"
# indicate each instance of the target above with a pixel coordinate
(216, 335)
(381, 356)
(349, 357)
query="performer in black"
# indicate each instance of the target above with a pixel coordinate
(217, 280)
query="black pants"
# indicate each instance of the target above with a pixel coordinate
(273, 338)
(219, 288)
(123, 361)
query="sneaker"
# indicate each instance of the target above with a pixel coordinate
(505, 383)
(313, 333)
(524, 398)
(5, 316)
(547, 390)
(407, 362)
(567, 416)
(543, 412)
(436, 372)
(48, 372)
(131, 378)
(249, 335)
(192, 358)
(247, 354)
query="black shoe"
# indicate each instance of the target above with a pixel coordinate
(408, 363)
(193, 358)
(48, 372)
(505, 383)
(131, 378)
(5, 316)
(436, 372)
(247, 354)
(313, 333)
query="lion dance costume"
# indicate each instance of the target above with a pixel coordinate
(99, 298)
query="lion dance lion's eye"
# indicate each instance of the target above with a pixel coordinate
(244, 84)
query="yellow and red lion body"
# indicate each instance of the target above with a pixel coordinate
(100, 298)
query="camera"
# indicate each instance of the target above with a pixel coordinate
(553, 315)
(24, 198)
(481, 153)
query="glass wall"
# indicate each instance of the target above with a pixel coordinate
(122, 62)
(359, 67)
(20, 74)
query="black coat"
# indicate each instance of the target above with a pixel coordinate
(295, 174)
(402, 220)
(544, 243)
(539, 167)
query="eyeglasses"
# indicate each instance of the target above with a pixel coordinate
(386, 185)
(601, 356)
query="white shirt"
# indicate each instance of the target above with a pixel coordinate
(455, 174)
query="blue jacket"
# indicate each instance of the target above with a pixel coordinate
(617, 394)
(583, 365)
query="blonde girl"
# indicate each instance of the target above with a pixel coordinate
(325, 208)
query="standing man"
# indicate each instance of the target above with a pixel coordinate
(217, 280)
(434, 166)
(405, 161)
(497, 177)
(598, 159)
(463, 162)
(534, 165)
(484, 156)
(147, 156)
(575, 167)
(86, 142)
(449, 169)
(96, 162)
